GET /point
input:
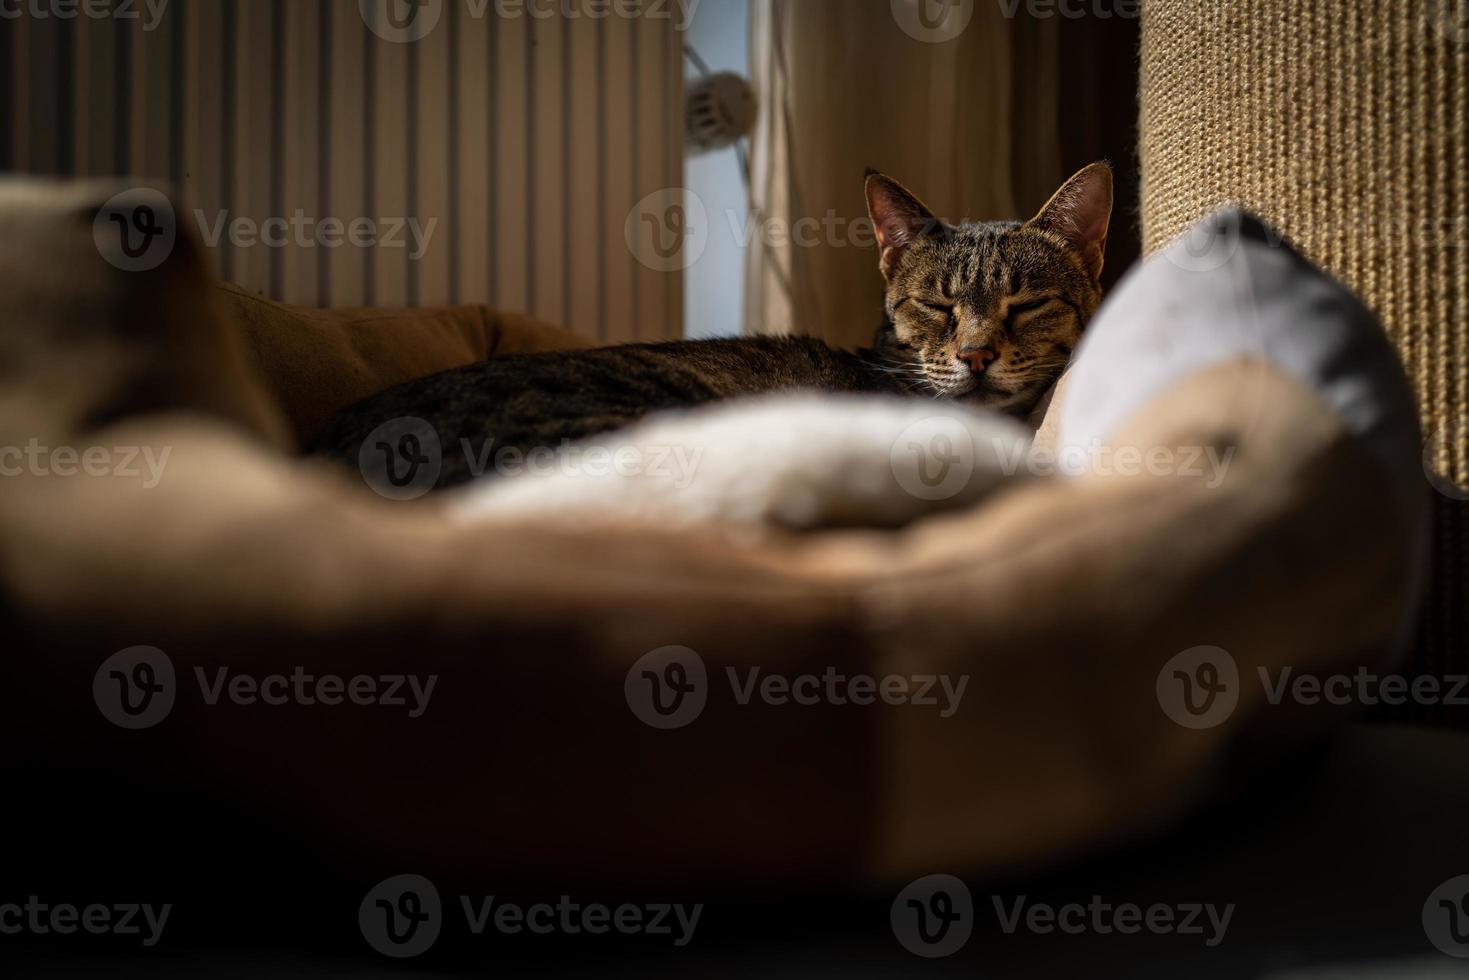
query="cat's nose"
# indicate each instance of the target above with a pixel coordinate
(978, 358)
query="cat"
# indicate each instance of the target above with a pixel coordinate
(986, 313)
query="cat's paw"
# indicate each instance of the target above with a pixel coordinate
(802, 461)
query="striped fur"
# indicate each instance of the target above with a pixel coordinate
(1025, 290)
(1021, 291)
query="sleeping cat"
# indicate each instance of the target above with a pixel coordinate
(983, 312)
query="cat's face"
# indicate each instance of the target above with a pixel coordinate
(989, 312)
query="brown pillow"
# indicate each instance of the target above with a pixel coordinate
(316, 362)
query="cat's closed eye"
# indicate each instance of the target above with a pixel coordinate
(933, 310)
(926, 305)
(1014, 311)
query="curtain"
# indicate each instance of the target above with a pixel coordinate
(956, 101)
(515, 145)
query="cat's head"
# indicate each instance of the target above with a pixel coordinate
(989, 311)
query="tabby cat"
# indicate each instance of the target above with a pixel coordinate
(987, 312)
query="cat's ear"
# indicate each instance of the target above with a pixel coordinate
(1079, 212)
(899, 218)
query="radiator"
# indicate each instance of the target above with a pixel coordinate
(494, 160)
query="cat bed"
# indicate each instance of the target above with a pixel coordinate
(1045, 664)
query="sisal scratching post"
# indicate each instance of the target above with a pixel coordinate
(1343, 125)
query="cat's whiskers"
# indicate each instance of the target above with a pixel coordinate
(907, 374)
(947, 380)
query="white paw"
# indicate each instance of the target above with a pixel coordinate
(799, 461)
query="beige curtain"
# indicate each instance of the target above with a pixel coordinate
(516, 144)
(847, 85)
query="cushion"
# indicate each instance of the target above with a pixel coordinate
(316, 362)
(1231, 289)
